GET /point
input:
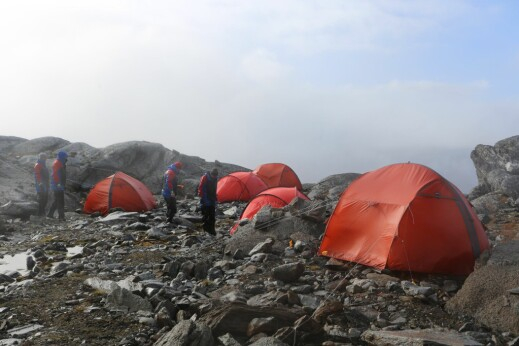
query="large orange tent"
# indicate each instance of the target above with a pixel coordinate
(405, 217)
(276, 197)
(119, 191)
(239, 186)
(278, 175)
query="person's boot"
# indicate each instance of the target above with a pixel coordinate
(209, 230)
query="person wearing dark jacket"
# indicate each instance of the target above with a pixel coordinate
(57, 184)
(41, 179)
(208, 199)
(169, 189)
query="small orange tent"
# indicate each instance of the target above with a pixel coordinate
(405, 217)
(276, 197)
(119, 191)
(278, 175)
(239, 186)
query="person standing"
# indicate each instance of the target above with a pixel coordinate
(169, 189)
(57, 184)
(208, 199)
(41, 179)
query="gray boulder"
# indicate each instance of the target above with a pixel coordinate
(488, 204)
(121, 297)
(289, 272)
(331, 188)
(281, 230)
(187, 333)
(497, 168)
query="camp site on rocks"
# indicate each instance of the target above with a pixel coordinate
(396, 256)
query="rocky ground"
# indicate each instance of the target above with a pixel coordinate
(131, 279)
(138, 281)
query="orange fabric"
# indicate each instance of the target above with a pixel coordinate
(277, 197)
(119, 191)
(278, 175)
(239, 186)
(405, 217)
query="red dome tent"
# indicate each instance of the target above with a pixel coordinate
(278, 175)
(277, 197)
(239, 186)
(405, 217)
(119, 191)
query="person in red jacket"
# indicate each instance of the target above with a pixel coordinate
(41, 179)
(208, 199)
(57, 185)
(169, 189)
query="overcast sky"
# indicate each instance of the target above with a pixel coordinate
(326, 87)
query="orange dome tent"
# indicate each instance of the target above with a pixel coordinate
(239, 186)
(278, 175)
(119, 191)
(405, 217)
(277, 197)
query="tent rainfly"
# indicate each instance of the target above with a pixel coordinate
(239, 186)
(405, 217)
(278, 175)
(119, 191)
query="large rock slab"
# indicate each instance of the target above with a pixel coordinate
(234, 318)
(417, 337)
(24, 331)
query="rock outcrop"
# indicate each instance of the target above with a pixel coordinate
(497, 168)
(490, 293)
(88, 165)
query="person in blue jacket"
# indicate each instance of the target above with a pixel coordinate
(170, 189)
(41, 179)
(57, 184)
(208, 199)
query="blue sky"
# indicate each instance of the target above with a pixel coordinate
(326, 87)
